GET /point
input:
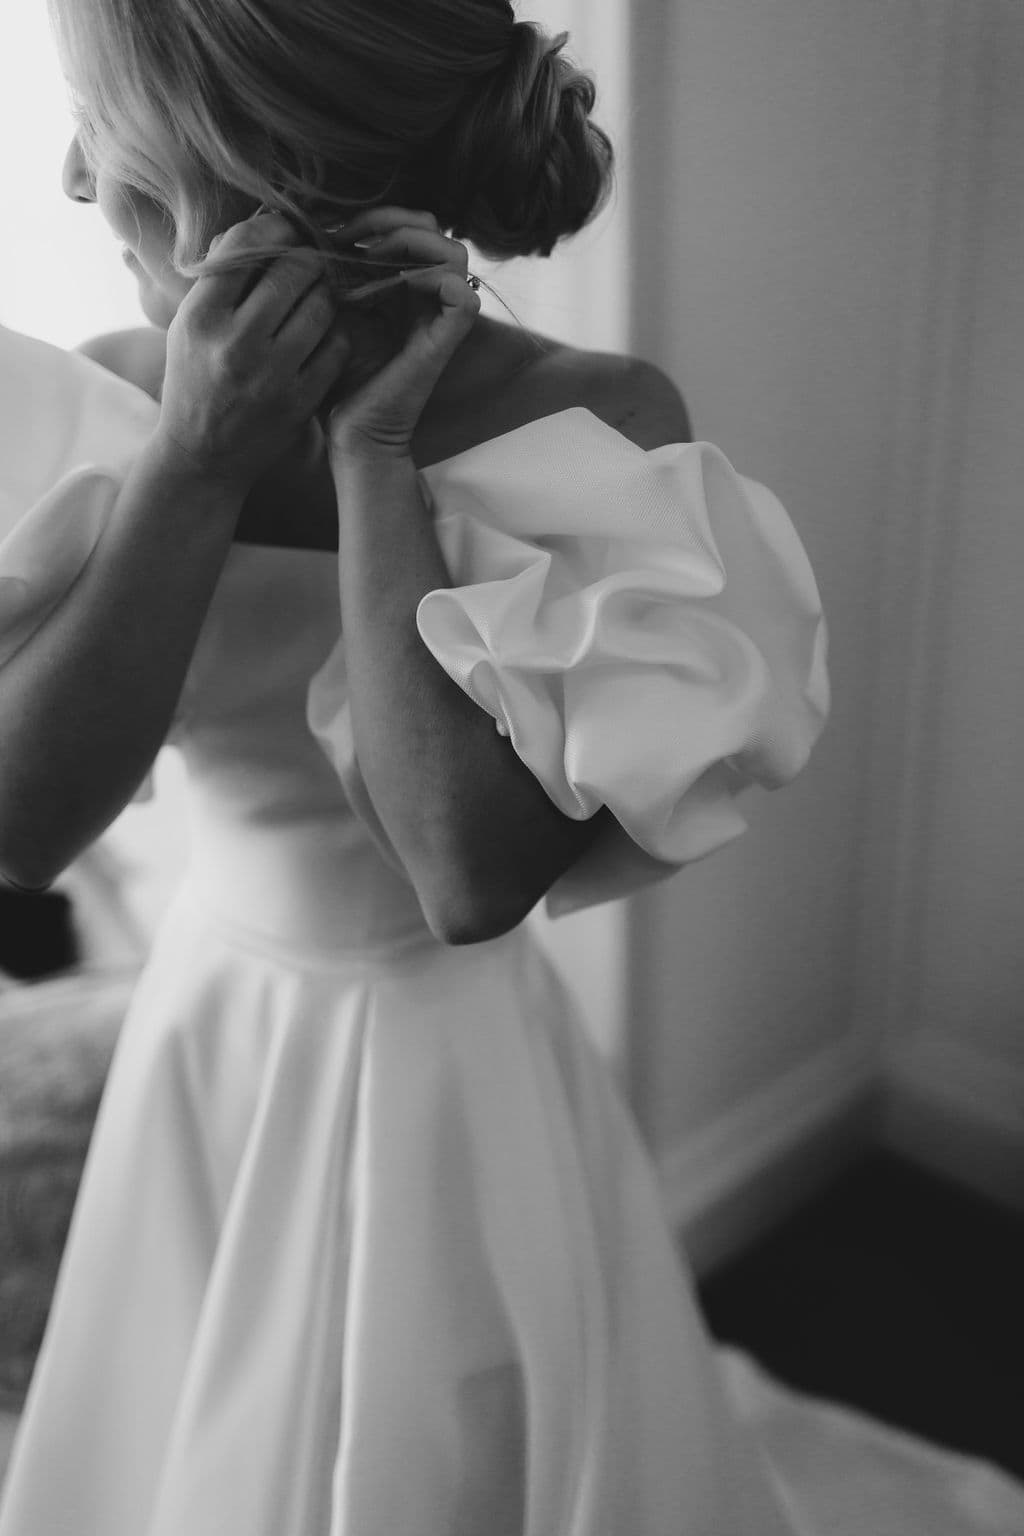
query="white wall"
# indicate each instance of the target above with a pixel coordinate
(955, 1044)
(796, 168)
(779, 201)
(61, 275)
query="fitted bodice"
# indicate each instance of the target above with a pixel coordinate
(276, 846)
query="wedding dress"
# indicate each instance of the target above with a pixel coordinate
(366, 1243)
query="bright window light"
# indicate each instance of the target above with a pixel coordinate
(61, 274)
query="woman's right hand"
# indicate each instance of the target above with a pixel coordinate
(249, 362)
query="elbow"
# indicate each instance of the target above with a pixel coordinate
(468, 897)
(20, 864)
(468, 914)
(29, 880)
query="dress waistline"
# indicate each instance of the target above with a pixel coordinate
(193, 900)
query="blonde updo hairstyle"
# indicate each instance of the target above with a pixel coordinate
(321, 108)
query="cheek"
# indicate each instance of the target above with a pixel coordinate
(117, 207)
(140, 224)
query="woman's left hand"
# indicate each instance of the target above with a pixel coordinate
(378, 416)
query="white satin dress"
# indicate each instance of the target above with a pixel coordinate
(366, 1244)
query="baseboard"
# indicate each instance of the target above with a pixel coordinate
(728, 1183)
(957, 1112)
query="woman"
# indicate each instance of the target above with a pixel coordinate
(443, 621)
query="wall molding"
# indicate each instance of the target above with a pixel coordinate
(958, 1111)
(750, 1167)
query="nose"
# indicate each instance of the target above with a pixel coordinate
(76, 178)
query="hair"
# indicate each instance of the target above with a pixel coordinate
(321, 108)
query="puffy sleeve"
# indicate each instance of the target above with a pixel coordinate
(643, 626)
(68, 431)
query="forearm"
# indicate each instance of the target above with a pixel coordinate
(478, 835)
(88, 700)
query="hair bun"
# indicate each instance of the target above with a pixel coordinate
(522, 163)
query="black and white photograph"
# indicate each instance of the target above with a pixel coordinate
(511, 743)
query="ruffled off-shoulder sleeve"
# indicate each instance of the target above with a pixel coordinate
(643, 626)
(68, 431)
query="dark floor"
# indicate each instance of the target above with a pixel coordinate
(898, 1294)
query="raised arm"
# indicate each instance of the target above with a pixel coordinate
(87, 700)
(478, 835)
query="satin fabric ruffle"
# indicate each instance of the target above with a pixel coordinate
(644, 626)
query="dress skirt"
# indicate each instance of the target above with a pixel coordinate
(367, 1245)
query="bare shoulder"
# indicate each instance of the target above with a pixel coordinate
(138, 355)
(635, 397)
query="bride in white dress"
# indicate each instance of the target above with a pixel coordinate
(366, 1244)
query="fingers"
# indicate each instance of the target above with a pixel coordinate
(420, 245)
(286, 283)
(307, 324)
(450, 289)
(394, 236)
(271, 322)
(223, 285)
(432, 342)
(325, 365)
(381, 221)
(393, 400)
